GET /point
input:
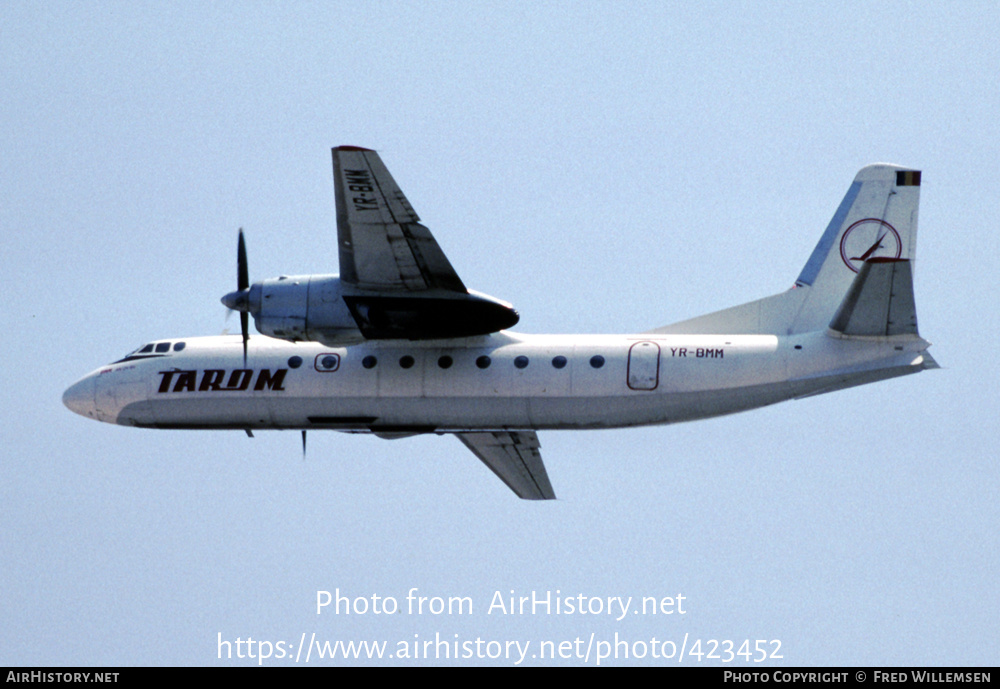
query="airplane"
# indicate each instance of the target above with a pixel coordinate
(396, 345)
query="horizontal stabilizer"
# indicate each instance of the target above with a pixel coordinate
(879, 302)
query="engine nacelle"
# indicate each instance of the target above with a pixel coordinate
(303, 307)
(321, 308)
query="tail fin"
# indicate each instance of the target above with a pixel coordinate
(876, 220)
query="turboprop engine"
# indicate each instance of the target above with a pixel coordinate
(297, 308)
(324, 308)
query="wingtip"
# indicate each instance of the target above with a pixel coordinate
(353, 148)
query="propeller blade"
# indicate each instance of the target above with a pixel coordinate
(242, 271)
(240, 299)
(241, 295)
(244, 327)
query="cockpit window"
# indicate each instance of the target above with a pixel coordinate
(144, 349)
(178, 346)
(147, 351)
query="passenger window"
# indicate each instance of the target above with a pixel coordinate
(179, 346)
(559, 362)
(483, 362)
(326, 363)
(407, 361)
(597, 361)
(445, 361)
(369, 361)
(521, 362)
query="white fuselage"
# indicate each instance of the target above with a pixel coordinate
(529, 382)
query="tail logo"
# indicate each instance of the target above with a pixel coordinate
(869, 238)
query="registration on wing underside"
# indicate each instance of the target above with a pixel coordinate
(382, 244)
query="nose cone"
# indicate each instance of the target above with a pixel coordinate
(79, 397)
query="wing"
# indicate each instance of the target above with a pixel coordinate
(383, 246)
(513, 456)
(400, 284)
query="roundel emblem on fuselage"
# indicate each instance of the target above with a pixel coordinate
(869, 238)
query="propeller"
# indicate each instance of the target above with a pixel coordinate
(240, 299)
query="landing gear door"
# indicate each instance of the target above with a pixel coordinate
(644, 366)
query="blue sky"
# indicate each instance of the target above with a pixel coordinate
(605, 167)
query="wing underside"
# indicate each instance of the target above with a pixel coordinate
(401, 285)
(382, 244)
(515, 457)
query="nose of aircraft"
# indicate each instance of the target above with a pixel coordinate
(79, 397)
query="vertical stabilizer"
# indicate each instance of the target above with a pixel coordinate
(876, 220)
